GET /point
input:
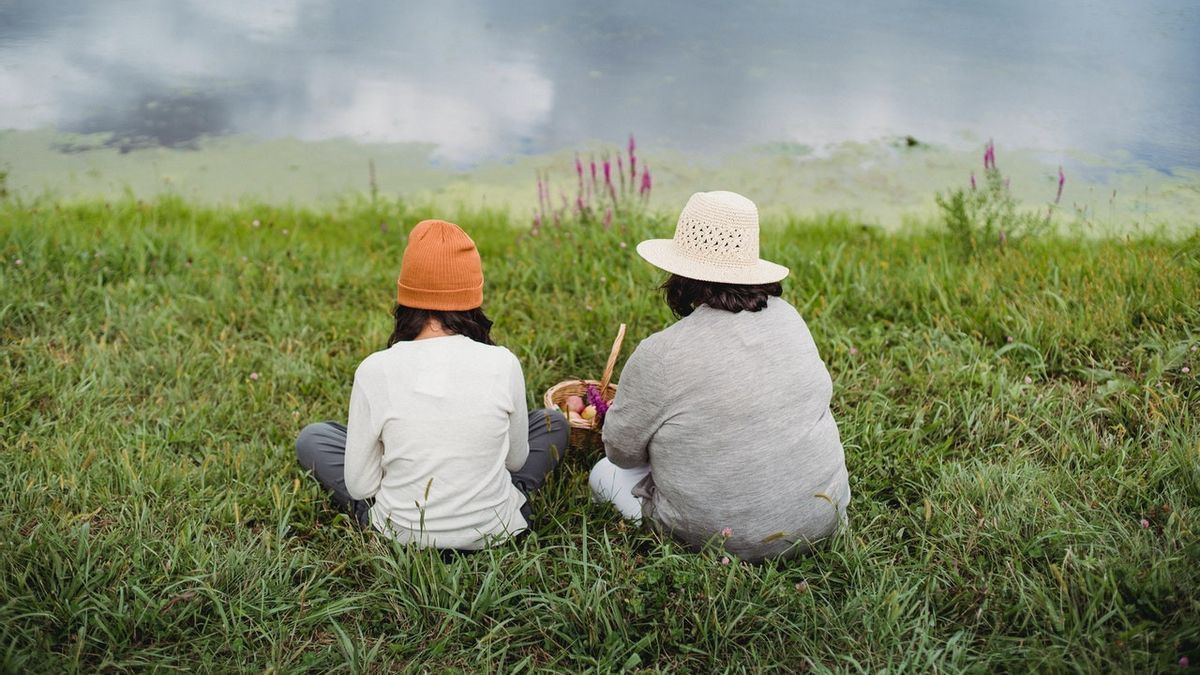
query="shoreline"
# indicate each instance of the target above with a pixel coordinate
(882, 183)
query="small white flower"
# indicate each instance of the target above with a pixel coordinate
(18, 262)
(254, 376)
(1186, 370)
(1010, 339)
(255, 223)
(1028, 380)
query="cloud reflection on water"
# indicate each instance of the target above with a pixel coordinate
(481, 81)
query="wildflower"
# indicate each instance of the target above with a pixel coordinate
(1061, 179)
(1194, 348)
(853, 351)
(18, 262)
(645, 188)
(972, 180)
(579, 169)
(1145, 524)
(622, 244)
(1184, 662)
(254, 376)
(595, 399)
(1028, 380)
(632, 145)
(724, 560)
(254, 223)
(1009, 339)
(1185, 370)
(727, 532)
(285, 231)
(579, 203)
(802, 587)
(608, 216)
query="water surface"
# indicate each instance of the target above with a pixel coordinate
(483, 81)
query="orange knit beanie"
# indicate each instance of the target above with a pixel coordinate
(440, 270)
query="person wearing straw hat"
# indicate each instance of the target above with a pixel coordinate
(721, 428)
(439, 450)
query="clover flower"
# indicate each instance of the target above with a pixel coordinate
(727, 532)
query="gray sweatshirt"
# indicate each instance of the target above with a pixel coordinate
(731, 412)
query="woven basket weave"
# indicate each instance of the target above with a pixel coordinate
(586, 433)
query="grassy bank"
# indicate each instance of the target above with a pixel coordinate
(1023, 442)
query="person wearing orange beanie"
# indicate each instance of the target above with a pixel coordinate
(439, 449)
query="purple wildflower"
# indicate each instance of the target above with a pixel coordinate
(1145, 524)
(632, 144)
(1061, 179)
(608, 173)
(578, 168)
(608, 215)
(644, 190)
(594, 398)
(579, 203)
(727, 532)
(724, 560)
(972, 180)
(592, 164)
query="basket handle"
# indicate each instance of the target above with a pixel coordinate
(612, 360)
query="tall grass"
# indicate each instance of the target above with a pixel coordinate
(1022, 439)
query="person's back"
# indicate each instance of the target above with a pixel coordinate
(747, 441)
(445, 410)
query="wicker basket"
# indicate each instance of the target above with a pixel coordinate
(585, 433)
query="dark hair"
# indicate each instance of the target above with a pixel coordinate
(684, 295)
(410, 321)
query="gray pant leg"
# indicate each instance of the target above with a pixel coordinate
(321, 448)
(547, 441)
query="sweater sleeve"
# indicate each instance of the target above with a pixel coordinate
(638, 410)
(364, 446)
(518, 421)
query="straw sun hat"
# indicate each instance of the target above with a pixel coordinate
(716, 239)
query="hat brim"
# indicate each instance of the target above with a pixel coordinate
(663, 254)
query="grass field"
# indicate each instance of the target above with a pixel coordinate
(1022, 430)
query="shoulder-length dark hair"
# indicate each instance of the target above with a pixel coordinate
(684, 295)
(410, 321)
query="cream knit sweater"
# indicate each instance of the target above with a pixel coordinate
(434, 427)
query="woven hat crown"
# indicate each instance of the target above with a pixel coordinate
(441, 269)
(719, 228)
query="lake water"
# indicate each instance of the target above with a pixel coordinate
(1106, 87)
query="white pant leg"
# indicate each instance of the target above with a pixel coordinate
(610, 483)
